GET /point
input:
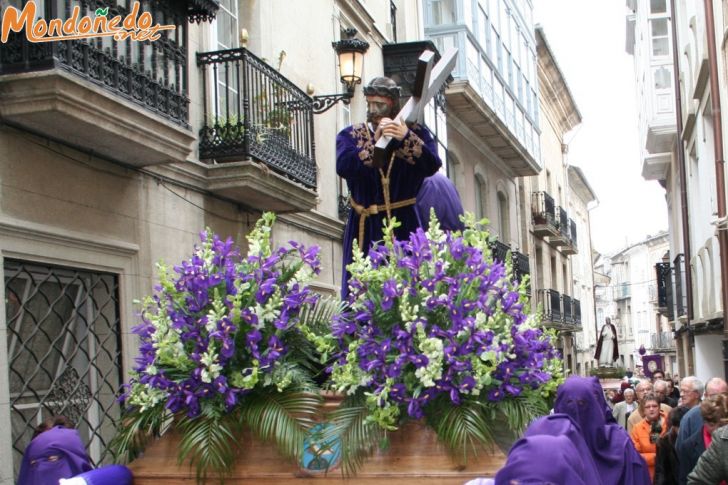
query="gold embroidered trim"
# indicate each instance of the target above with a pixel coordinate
(411, 148)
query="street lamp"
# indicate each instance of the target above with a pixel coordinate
(350, 53)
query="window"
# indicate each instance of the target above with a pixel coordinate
(658, 6)
(225, 29)
(504, 218)
(481, 196)
(442, 12)
(663, 77)
(64, 353)
(660, 38)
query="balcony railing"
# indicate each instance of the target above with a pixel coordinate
(543, 210)
(150, 74)
(681, 299)
(252, 111)
(572, 232)
(551, 303)
(499, 250)
(663, 341)
(560, 311)
(563, 222)
(622, 291)
(568, 310)
(521, 267)
(664, 289)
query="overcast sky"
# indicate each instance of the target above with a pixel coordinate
(588, 41)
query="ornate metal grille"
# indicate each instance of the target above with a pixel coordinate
(664, 289)
(543, 208)
(251, 110)
(64, 352)
(567, 305)
(577, 312)
(572, 232)
(563, 222)
(151, 74)
(551, 304)
(681, 300)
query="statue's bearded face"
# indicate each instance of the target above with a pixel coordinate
(378, 107)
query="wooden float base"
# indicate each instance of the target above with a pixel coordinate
(413, 457)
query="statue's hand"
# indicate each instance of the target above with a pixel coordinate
(394, 128)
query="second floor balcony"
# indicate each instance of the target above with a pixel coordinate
(543, 213)
(257, 134)
(663, 342)
(561, 312)
(520, 265)
(125, 100)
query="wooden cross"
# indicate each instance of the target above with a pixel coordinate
(428, 81)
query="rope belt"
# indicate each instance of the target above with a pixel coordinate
(365, 212)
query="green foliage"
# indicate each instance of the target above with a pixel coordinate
(137, 427)
(209, 441)
(359, 437)
(282, 418)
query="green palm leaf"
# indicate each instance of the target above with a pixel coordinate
(136, 429)
(210, 442)
(463, 428)
(359, 438)
(281, 417)
(520, 411)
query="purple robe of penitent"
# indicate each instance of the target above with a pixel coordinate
(439, 193)
(415, 158)
(563, 425)
(52, 455)
(543, 459)
(614, 455)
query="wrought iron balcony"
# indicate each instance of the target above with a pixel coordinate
(521, 267)
(499, 250)
(622, 291)
(519, 262)
(543, 211)
(550, 301)
(664, 290)
(568, 310)
(577, 312)
(257, 132)
(570, 247)
(126, 100)
(681, 298)
(663, 342)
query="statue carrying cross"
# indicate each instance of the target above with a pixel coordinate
(385, 160)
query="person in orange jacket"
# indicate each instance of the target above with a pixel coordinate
(647, 432)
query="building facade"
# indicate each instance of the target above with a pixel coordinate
(552, 229)
(681, 141)
(114, 155)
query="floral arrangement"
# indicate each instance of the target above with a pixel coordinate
(436, 330)
(224, 347)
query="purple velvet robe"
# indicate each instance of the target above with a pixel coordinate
(439, 192)
(543, 459)
(615, 457)
(52, 455)
(415, 159)
(563, 425)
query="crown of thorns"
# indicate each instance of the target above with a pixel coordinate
(382, 87)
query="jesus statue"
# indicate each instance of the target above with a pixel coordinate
(607, 351)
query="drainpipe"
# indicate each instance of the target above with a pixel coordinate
(683, 183)
(719, 170)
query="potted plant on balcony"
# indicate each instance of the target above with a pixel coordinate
(224, 348)
(437, 334)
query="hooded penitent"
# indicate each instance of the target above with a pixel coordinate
(52, 455)
(614, 455)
